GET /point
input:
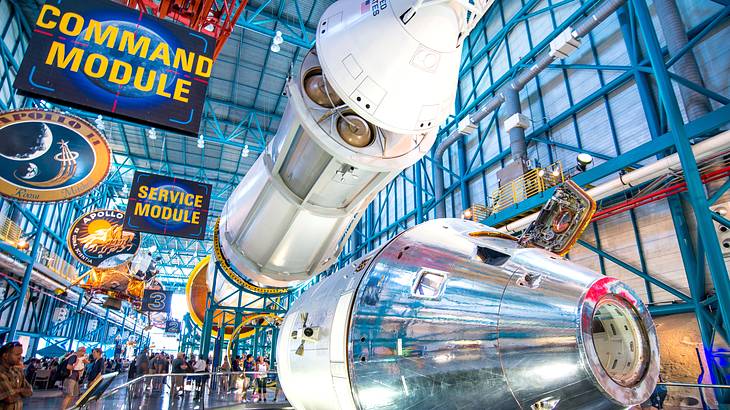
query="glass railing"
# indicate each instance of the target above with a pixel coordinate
(192, 391)
(678, 395)
(246, 390)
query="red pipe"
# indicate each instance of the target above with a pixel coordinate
(657, 195)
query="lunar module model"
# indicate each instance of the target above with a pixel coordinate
(449, 313)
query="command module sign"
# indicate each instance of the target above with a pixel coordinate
(107, 57)
(168, 206)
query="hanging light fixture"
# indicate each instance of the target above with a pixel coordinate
(152, 134)
(99, 122)
(276, 42)
(201, 141)
(245, 151)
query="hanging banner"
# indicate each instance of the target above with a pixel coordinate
(172, 327)
(156, 300)
(97, 239)
(47, 156)
(109, 58)
(168, 206)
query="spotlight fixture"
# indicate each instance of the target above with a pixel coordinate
(583, 160)
(22, 244)
(152, 134)
(245, 151)
(467, 214)
(201, 141)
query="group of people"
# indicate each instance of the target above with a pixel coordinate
(16, 377)
(74, 368)
(255, 375)
(32, 366)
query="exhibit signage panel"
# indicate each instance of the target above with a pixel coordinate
(106, 57)
(168, 206)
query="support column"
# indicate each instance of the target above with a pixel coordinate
(695, 189)
(13, 330)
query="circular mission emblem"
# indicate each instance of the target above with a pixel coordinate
(97, 239)
(47, 156)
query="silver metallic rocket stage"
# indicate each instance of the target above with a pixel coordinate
(453, 314)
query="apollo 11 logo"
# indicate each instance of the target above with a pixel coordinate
(48, 156)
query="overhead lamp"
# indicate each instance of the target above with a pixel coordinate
(245, 151)
(152, 134)
(541, 173)
(99, 122)
(276, 42)
(278, 39)
(583, 160)
(201, 141)
(555, 173)
(210, 27)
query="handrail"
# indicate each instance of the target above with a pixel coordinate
(146, 376)
(709, 386)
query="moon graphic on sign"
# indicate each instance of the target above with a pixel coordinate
(26, 141)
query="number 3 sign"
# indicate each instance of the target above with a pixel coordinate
(156, 301)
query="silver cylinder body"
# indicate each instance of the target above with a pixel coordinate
(452, 314)
(300, 201)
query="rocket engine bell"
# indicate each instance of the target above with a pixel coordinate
(454, 314)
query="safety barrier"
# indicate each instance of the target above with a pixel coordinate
(529, 184)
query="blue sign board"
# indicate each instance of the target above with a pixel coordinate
(172, 327)
(106, 57)
(168, 206)
(154, 300)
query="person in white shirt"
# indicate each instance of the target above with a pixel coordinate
(199, 367)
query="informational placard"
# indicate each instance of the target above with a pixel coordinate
(49, 156)
(172, 327)
(168, 206)
(103, 56)
(155, 300)
(97, 239)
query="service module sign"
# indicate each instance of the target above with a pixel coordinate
(168, 206)
(107, 57)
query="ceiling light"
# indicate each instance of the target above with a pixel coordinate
(584, 160)
(541, 173)
(152, 134)
(275, 48)
(245, 151)
(201, 141)
(278, 39)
